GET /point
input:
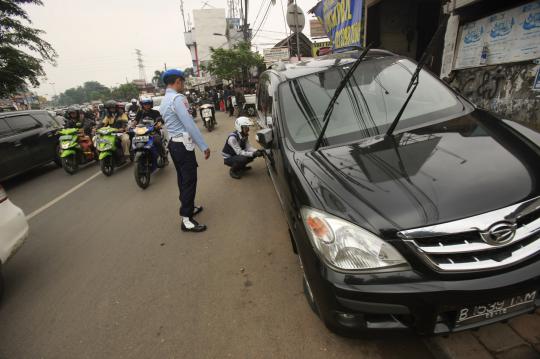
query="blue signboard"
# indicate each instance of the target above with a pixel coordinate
(342, 21)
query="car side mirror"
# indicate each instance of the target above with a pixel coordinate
(269, 121)
(265, 137)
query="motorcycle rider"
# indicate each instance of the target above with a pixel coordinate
(238, 152)
(133, 109)
(116, 118)
(72, 116)
(147, 110)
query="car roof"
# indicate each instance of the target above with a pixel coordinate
(289, 70)
(18, 113)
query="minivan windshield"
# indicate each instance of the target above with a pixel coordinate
(368, 104)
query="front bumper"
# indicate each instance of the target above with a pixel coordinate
(408, 301)
(13, 229)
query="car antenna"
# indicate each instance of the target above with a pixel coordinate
(341, 86)
(413, 84)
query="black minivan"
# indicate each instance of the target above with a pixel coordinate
(434, 227)
(28, 139)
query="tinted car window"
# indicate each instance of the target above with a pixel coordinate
(368, 104)
(46, 119)
(5, 130)
(22, 123)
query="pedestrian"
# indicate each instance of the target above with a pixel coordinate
(184, 136)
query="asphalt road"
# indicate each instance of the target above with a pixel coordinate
(106, 272)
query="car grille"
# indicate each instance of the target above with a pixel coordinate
(466, 245)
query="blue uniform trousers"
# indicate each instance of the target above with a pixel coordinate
(186, 173)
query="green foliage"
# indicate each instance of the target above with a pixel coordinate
(233, 64)
(188, 72)
(156, 79)
(18, 68)
(125, 92)
(89, 91)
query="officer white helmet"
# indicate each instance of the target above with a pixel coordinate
(133, 101)
(241, 122)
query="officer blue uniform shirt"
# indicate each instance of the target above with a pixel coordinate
(179, 120)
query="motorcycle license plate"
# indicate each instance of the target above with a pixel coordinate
(478, 313)
(207, 113)
(140, 139)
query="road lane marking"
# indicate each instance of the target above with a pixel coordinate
(61, 197)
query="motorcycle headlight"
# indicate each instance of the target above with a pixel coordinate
(65, 145)
(346, 246)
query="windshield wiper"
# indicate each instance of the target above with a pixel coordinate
(413, 84)
(341, 86)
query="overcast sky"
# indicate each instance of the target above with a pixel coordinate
(96, 40)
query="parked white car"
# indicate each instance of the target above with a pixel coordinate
(13, 231)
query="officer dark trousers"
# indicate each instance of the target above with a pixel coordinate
(186, 172)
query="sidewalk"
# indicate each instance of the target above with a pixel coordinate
(517, 339)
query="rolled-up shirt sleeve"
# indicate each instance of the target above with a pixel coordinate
(189, 124)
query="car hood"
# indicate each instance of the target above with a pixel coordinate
(435, 174)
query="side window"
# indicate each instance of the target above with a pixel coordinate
(262, 93)
(22, 123)
(46, 119)
(5, 130)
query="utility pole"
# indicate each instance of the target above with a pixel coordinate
(246, 25)
(182, 11)
(297, 32)
(165, 66)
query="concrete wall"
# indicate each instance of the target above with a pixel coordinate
(206, 23)
(504, 89)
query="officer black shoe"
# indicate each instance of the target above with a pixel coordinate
(234, 174)
(247, 168)
(191, 225)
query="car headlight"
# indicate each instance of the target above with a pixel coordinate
(346, 246)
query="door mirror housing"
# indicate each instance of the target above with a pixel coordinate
(265, 137)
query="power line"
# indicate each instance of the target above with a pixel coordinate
(263, 19)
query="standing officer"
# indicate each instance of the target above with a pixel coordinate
(184, 136)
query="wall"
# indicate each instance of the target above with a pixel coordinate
(207, 22)
(503, 89)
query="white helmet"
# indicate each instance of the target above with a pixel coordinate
(134, 101)
(241, 122)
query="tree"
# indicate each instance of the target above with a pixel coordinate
(156, 79)
(89, 91)
(18, 68)
(125, 92)
(233, 64)
(188, 72)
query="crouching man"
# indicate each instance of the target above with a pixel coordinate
(238, 152)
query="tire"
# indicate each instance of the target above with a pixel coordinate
(107, 166)
(142, 172)
(70, 165)
(1, 283)
(57, 160)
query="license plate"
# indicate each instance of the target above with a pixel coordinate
(478, 313)
(140, 139)
(207, 113)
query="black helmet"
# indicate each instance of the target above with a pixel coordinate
(111, 104)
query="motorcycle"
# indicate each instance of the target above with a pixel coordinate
(75, 149)
(147, 157)
(110, 152)
(208, 116)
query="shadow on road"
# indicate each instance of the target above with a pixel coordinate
(30, 175)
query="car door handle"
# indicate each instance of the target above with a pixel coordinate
(17, 144)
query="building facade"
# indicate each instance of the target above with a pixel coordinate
(491, 55)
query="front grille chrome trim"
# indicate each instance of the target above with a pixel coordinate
(458, 246)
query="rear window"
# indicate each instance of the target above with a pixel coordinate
(22, 123)
(5, 130)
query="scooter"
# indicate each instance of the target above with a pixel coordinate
(75, 149)
(147, 157)
(208, 116)
(110, 152)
